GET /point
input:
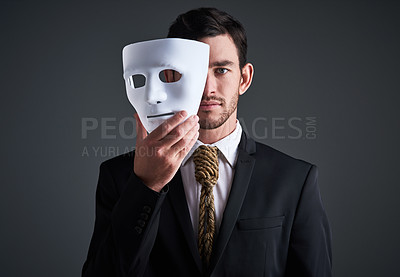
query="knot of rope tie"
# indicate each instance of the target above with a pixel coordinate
(205, 159)
(206, 165)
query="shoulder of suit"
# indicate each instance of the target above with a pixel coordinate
(120, 162)
(264, 151)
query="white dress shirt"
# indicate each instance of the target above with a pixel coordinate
(227, 157)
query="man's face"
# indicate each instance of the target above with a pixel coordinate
(221, 93)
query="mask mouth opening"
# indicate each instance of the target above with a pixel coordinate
(159, 115)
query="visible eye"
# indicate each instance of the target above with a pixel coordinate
(221, 70)
(169, 76)
(137, 80)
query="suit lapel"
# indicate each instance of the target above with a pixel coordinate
(243, 172)
(178, 202)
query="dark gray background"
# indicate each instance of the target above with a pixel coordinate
(337, 61)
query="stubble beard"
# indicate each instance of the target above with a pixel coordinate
(229, 109)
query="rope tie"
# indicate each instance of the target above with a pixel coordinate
(205, 159)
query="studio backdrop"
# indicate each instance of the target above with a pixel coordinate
(325, 90)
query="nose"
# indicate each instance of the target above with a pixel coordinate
(155, 93)
(211, 84)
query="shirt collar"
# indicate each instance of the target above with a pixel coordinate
(227, 146)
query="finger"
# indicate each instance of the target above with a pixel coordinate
(180, 131)
(185, 150)
(141, 132)
(184, 143)
(167, 126)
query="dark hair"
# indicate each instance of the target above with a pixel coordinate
(210, 22)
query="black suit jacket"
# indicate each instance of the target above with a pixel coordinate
(274, 223)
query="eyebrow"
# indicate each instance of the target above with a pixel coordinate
(221, 63)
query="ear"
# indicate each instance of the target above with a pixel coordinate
(168, 75)
(171, 75)
(247, 77)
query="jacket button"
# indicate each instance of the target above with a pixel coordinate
(144, 216)
(147, 209)
(141, 223)
(138, 229)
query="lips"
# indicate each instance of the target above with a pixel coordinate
(208, 105)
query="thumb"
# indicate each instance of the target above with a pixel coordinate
(140, 130)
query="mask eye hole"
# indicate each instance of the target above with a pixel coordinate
(169, 76)
(137, 80)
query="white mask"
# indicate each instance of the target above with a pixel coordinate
(157, 94)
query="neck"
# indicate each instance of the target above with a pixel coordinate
(209, 136)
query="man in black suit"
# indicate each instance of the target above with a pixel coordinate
(268, 218)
